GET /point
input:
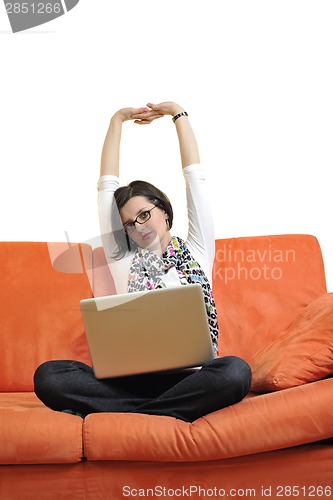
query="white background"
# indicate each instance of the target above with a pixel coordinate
(256, 78)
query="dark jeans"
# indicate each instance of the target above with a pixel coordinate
(72, 385)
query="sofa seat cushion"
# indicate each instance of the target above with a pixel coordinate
(30, 433)
(302, 353)
(262, 423)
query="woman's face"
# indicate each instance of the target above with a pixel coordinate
(152, 234)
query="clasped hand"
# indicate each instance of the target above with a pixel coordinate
(146, 115)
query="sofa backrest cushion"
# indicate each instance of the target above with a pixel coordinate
(261, 284)
(41, 287)
(103, 283)
(302, 353)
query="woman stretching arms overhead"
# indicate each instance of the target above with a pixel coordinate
(136, 222)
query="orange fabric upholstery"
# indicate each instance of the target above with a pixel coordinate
(301, 354)
(30, 433)
(257, 424)
(40, 317)
(307, 469)
(261, 284)
(103, 283)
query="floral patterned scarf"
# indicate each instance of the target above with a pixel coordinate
(147, 272)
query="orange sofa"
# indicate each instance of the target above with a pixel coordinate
(274, 311)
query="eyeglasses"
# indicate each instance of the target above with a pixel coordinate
(141, 219)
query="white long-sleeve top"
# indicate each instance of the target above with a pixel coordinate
(200, 238)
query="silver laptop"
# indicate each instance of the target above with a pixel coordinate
(150, 331)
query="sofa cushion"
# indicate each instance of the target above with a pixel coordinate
(260, 285)
(41, 288)
(256, 424)
(30, 433)
(302, 353)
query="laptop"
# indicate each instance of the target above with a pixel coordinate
(151, 331)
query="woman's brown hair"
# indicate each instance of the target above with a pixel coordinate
(121, 196)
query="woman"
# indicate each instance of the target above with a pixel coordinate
(135, 223)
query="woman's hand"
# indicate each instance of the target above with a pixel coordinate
(144, 116)
(126, 114)
(187, 142)
(166, 108)
(141, 116)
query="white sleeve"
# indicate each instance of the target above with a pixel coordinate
(200, 238)
(107, 185)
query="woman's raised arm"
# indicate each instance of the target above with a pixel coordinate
(189, 151)
(111, 147)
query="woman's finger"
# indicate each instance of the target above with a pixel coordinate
(147, 120)
(142, 122)
(152, 106)
(145, 114)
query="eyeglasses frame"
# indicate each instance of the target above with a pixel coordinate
(135, 221)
